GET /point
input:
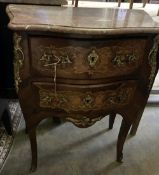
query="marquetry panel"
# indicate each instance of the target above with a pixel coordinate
(72, 98)
(85, 59)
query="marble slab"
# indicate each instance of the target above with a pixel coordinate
(80, 20)
(42, 2)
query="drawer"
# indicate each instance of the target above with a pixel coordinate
(84, 99)
(85, 59)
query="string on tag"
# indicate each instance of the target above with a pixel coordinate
(54, 65)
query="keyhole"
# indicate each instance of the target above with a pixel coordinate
(88, 100)
(92, 59)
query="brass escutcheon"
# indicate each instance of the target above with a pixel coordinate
(88, 101)
(93, 58)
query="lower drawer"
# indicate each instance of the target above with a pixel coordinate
(82, 98)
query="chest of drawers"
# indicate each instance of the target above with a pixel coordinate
(84, 67)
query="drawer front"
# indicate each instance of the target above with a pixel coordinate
(81, 59)
(84, 99)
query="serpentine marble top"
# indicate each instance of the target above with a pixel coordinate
(80, 20)
(43, 2)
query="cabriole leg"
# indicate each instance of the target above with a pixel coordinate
(124, 129)
(33, 143)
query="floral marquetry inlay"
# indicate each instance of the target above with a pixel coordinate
(84, 101)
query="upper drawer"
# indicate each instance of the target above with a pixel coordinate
(85, 58)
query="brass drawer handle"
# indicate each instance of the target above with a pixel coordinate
(65, 59)
(120, 60)
(61, 60)
(47, 59)
(131, 58)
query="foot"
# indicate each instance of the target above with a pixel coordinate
(119, 158)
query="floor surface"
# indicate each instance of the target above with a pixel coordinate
(68, 150)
